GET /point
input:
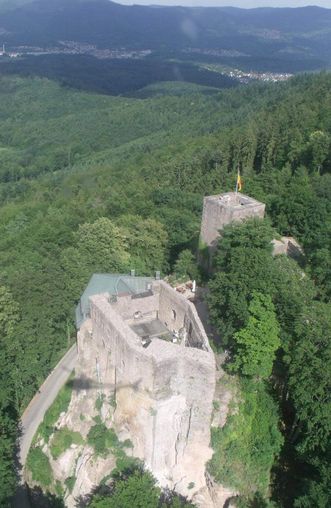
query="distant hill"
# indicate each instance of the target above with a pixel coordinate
(292, 35)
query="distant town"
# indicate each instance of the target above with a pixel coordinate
(79, 48)
(74, 48)
(248, 76)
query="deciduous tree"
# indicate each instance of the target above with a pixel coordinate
(255, 345)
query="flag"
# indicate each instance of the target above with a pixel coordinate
(239, 182)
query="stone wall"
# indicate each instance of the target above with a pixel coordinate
(164, 393)
(215, 216)
(120, 354)
(287, 246)
(177, 312)
(173, 308)
(220, 210)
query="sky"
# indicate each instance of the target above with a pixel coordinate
(235, 3)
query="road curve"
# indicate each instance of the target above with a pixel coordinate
(34, 414)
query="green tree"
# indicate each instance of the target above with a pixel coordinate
(246, 447)
(319, 145)
(134, 486)
(320, 269)
(8, 313)
(100, 247)
(310, 380)
(255, 345)
(8, 410)
(147, 243)
(103, 244)
(186, 266)
(317, 490)
(297, 210)
(138, 490)
(243, 263)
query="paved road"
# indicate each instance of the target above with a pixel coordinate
(34, 413)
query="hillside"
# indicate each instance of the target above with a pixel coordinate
(71, 148)
(69, 158)
(294, 39)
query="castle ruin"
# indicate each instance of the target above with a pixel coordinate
(146, 370)
(151, 349)
(142, 344)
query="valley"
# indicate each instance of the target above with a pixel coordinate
(218, 47)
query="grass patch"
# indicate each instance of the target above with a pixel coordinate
(60, 405)
(63, 439)
(70, 483)
(112, 401)
(38, 463)
(99, 402)
(59, 489)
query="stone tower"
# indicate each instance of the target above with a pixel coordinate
(220, 210)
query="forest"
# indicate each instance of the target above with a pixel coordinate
(124, 177)
(114, 77)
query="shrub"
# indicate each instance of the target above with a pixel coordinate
(38, 464)
(63, 439)
(102, 439)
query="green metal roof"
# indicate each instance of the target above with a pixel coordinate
(114, 284)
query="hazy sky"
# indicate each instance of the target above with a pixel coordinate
(235, 3)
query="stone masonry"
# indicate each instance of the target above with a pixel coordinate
(163, 382)
(224, 209)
